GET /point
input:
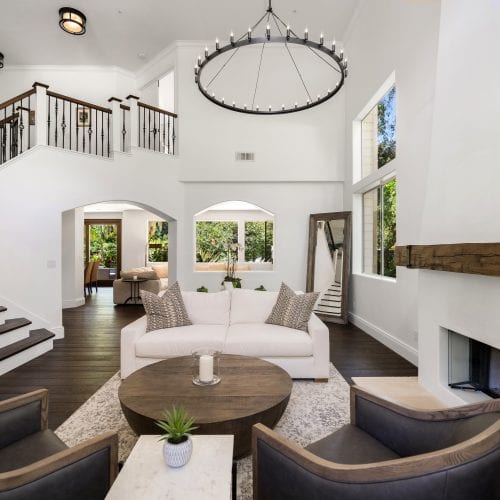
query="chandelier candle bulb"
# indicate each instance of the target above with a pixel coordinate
(257, 107)
(319, 97)
(222, 100)
(341, 54)
(288, 31)
(231, 38)
(249, 34)
(199, 60)
(195, 69)
(270, 108)
(217, 45)
(333, 47)
(321, 39)
(206, 52)
(206, 368)
(296, 106)
(308, 102)
(306, 34)
(268, 32)
(282, 107)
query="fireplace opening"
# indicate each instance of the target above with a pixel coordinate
(473, 365)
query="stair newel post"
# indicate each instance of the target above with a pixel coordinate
(134, 121)
(116, 124)
(41, 110)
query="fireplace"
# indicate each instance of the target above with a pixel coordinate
(473, 365)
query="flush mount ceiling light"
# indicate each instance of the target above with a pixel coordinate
(72, 21)
(285, 72)
(1, 60)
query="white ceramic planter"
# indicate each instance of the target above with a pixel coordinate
(228, 285)
(177, 455)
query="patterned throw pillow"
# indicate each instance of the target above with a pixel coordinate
(292, 310)
(167, 311)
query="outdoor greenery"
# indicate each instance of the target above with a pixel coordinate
(387, 128)
(103, 244)
(158, 241)
(259, 241)
(389, 227)
(213, 238)
(176, 425)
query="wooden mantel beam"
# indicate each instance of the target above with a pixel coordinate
(470, 258)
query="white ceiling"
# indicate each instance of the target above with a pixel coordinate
(128, 33)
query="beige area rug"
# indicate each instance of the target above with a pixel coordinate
(314, 411)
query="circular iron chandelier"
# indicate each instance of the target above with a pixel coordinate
(330, 56)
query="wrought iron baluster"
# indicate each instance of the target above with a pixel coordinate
(89, 131)
(102, 134)
(29, 122)
(173, 135)
(70, 125)
(77, 125)
(163, 132)
(96, 131)
(48, 124)
(168, 136)
(149, 129)
(63, 123)
(144, 128)
(55, 126)
(108, 134)
(83, 131)
(21, 126)
(124, 130)
(12, 140)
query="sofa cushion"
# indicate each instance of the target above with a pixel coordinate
(161, 270)
(251, 306)
(263, 340)
(167, 311)
(292, 310)
(180, 341)
(208, 308)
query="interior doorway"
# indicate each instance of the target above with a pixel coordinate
(102, 242)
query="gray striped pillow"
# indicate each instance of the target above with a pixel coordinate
(168, 311)
(292, 310)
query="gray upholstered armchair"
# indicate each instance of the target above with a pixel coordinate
(36, 464)
(388, 452)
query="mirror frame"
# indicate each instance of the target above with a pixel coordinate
(346, 264)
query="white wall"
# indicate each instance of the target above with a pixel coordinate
(72, 258)
(95, 84)
(461, 201)
(387, 36)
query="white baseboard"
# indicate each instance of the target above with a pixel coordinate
(69, 304)
(404, 350)
(58, 330)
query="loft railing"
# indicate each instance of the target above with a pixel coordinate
(156, 129)
(17, 117)
(78, 125)
(43, 117)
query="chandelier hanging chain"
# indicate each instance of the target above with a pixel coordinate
(333, 58)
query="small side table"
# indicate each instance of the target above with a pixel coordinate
(206, 476)
(135, 286)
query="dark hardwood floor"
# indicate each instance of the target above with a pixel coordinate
(90, 354)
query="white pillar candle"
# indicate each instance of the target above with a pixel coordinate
(206, 368)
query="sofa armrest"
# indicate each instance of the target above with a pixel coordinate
(83, 471)
(129, 336)
(23, 415)
(321, 346)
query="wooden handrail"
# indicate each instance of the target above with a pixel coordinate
(9, 119)
(125, 107)
(17, 98)
(158, 110)
(78, 101)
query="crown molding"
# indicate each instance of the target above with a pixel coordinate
(70, 67)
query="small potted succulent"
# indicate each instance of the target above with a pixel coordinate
(177, 427)
(202, 289)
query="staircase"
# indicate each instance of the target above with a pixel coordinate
(19, 344)
(330, 301)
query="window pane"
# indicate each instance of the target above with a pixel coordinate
(258, 241)
(158, 241)
(378, 134)
(371, 231)
(387, 128)
(389, 228)
(212, 239)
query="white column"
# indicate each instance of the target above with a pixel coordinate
(41, 113)
(116, 124)
(241, 241)
(134, 120)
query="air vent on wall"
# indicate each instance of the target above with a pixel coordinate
(242, 156)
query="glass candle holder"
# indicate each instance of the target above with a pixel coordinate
(206, 367)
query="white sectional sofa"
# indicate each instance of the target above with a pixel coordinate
(233, 322)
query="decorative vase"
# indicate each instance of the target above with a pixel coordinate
(228, 285)
(177, 455)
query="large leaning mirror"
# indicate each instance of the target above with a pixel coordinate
(328, 264)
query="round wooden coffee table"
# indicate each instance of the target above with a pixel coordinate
(251, 391)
